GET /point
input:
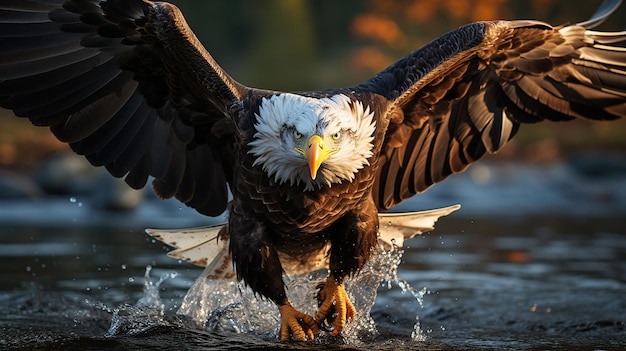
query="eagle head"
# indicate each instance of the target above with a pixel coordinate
(311, 141)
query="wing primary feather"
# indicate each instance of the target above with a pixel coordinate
(202, 175)
(8, 15)
(135, 150)
(49, 70)
(138, 176)
(29, 6)
(70, 96)
(167, 186)
(121, 140)
(187, 185)
(89, 109)
(160, 152)
(26, 30)
(38, 53)
(104, 135)
(598, 55)
(24, 44)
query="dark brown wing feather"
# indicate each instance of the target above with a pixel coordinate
(466, 93)
(127, 84)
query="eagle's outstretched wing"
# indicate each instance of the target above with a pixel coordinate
(466, 93)
(127, 84)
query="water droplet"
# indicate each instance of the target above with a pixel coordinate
(131, 280)
(123, 266)
(28, 269)
(72, 199)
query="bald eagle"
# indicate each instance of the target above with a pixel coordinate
(128, 85)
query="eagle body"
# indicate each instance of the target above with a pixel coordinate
(299, 219)
(127, 84)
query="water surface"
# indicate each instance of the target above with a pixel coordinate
(509, 278)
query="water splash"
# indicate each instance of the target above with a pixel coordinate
(384, 267)
(230, 306)
(222, 305)
(148, 312)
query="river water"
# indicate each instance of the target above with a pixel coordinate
(535, 260)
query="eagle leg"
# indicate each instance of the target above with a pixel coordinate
(257, 263)
(296, 323)
(352, 239)
(335, 306)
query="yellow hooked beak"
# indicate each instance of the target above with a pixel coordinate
(316, 154)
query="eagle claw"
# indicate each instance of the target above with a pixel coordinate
(296, 323)
(334, 305)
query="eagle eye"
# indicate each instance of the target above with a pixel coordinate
(336, 136)
(297, 135)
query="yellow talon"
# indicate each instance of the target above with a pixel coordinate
(298, 324)
(334, 296)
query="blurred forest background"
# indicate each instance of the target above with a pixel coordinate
(303, 45)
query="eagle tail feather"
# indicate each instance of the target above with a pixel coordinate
(208, 246)
(200, 246)
(396, 228)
